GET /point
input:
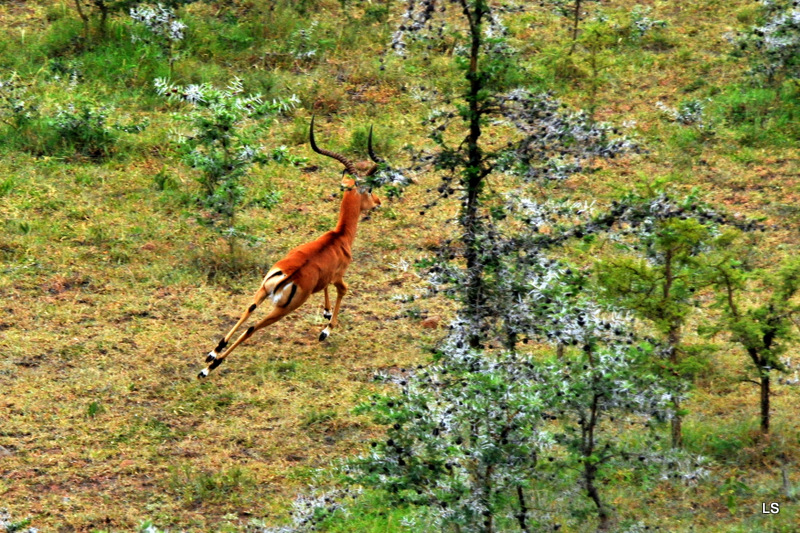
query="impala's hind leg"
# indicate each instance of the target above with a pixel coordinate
(291, 299)
(259, 297)
(341, 290)
(326, 313)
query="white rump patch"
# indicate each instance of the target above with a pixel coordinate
(278, 297)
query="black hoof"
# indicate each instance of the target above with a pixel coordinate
(323, 335)
(203, 373)
(210, 358)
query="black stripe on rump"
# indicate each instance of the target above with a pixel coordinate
(276, 273)
(291, 295)
(281, 284)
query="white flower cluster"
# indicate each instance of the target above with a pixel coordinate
(642, 23)
(777, 41)
(15, 98)
(247, 153)
(681, 466)
(394, 177)
(558, 143)
(688, 113)
(300, 43)
(542, 213)
(415, 19)
(158, 20)
(308, 510)
(206, 95)
(7, 524)
(787, 365)
(495, 28)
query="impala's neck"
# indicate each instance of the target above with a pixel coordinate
(349, 214)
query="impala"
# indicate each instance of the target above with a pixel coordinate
(313, 266)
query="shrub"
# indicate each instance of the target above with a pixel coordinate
(222, 147)
(162, 27)
(774, 46)
(17, 104)
(15, 526)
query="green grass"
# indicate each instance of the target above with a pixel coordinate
(226, 486)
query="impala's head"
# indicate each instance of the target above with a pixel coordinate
(353, 176)
(369, 200)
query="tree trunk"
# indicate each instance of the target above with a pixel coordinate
(674, 340)
(522, 517)
(787, 486)
(83, 17)
(101, 4)
(473, 177)
(590, 467)
(676, 423)
(575, 23)
(590, 473)
(764, 402)
(488, 522)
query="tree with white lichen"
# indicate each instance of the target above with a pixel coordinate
(526, 410)
(551, 144)
(468, 435)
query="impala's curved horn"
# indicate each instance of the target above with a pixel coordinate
(351, 169)
(371, 152)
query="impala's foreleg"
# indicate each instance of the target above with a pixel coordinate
(326, 313)
(341, 290)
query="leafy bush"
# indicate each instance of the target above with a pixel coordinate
(101, 10)
(310, 512)
(222, 145)
(774, 46)
(162, 28)
(84, 126)
(79, 127)
(642, 23)
(17, 104)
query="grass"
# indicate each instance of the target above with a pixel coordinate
(111, 292)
